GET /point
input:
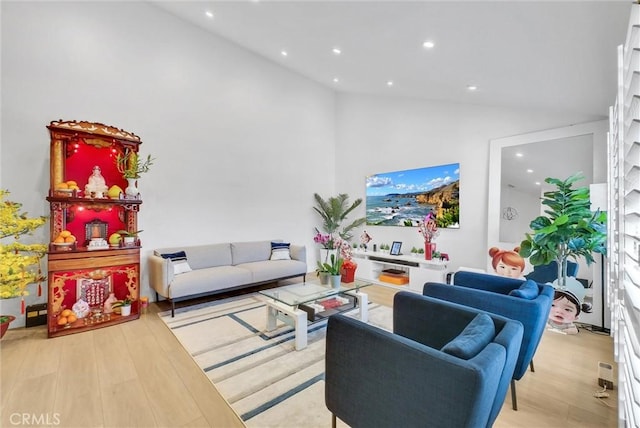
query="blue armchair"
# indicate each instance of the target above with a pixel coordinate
(444, 365)
(526, 301)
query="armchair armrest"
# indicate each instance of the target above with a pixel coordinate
(375, 378)
(160, 274)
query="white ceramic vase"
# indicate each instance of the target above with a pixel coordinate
(131, 191)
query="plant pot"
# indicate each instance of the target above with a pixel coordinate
(325, 255)
(129, 241)
(132, 191)
(5, 325)
(125, 310)
(324, 278)
(335, 280)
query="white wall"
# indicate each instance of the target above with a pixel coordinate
(241, 144)
(382, 134)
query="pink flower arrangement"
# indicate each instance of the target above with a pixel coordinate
(428, 228)
(326, 241)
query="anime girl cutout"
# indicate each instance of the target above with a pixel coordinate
(507, 262)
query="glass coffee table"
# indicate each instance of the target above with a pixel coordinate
(300, 304)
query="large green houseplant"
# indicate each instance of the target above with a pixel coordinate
(570, 228)
(334, 211)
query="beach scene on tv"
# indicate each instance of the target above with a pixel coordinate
(405, 198)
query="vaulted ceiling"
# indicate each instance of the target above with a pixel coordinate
(548, 55)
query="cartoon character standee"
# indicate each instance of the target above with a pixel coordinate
(507, 262)
(566, 307)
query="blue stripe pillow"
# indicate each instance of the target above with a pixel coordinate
(179, 262)
(280, 251)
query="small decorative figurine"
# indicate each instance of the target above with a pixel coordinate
(96, 186)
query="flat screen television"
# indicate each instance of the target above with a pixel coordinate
(404, 198)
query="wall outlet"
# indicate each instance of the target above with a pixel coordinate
(605, 375)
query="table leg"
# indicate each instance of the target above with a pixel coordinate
(271, 318)
(300, 320)
(363, 301)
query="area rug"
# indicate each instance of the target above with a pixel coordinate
(266, 381)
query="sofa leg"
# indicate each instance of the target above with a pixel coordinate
(173, 308)
(333, 420)
(514, 400)
(531, 365)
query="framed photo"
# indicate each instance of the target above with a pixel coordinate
(404, 198)
(395, 248)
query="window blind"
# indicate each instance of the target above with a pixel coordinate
(623, 274)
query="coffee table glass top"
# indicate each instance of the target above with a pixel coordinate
(298, 294)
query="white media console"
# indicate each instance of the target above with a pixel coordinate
(371, 264)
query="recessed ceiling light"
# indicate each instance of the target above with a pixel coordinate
(389, 82)
(529, 171)
(336, 51)
(428, 44)
(519, 155)
(209, 14)
(537, 183)
(472, 87)
(284, 53)
(336, 80)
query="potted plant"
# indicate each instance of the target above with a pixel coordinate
(129, 238)
(570, 228)
(5, 320)
(130, 165)
(124, 306)
(19, 262)
(414, 251)
(333, 269)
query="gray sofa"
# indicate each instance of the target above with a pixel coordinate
(215, 268)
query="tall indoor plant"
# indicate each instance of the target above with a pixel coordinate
(570, 228)
(334, 211)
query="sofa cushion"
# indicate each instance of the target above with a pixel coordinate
(247, 252)
(203, 256)
(269, 270)
(528, 290)
(280, 251)
(208, 280)
(474, 338)
(178, 261)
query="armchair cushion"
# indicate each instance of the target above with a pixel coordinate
(528, 290)
(474, 338)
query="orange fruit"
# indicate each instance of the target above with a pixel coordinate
(66, 312)
(65, 233)
(70, 239)
(72, 318)
(63, 321)
(59, 240)
(61, 186)
(71, 183)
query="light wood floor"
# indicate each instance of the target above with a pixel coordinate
(138, 375)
